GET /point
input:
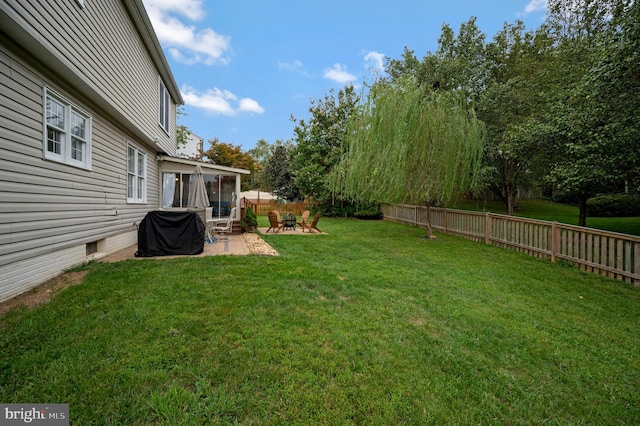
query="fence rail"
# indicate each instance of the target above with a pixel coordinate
(265, 206)
(607, 253)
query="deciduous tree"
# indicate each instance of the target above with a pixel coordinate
(511, 104)
(278, 175)
(410, 144)
(226, 154)
(594, 120)
(318, 143)
(182, 131)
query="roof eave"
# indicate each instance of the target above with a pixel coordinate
(194, 163)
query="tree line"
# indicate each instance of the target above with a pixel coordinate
(554, 110)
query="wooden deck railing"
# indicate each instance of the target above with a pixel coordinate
(602, 252)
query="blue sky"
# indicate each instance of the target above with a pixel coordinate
(245, 67)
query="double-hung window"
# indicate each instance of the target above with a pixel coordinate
(165, 105)
(136, 175)
(68, 132)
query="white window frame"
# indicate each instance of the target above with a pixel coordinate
(69, 139)
(164, 111)
(136, 175)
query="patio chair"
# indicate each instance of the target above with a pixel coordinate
(313, 225)
(209, 222)
(274, 223)
(223, 225)
(304, 218)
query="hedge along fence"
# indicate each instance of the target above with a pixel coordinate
(606, 253)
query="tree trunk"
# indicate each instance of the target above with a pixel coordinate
(429, 230)
(582, 218)
(510, 199)
(499, 191)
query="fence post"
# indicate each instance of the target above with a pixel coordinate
(554, 240)
(446, 220)
(487, 229)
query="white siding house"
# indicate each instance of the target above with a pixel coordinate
(193, 148)
(87, 108)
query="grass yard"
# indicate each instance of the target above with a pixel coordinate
(548, 210)
(369, 324)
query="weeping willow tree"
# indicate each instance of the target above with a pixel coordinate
(410, 145)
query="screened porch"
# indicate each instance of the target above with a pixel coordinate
(222, 185)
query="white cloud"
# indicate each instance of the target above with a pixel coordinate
(375, 62)
(290, 66)
(191, 9)
(219, 102)
(178, 56)
(249, 105)
(214, 101)
(339, 74)
(186, 43)
(534, 6)
(295, 67)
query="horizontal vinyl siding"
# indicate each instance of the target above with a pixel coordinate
(119, 242)
(42, 268)
(49, 265)
(48, 207)
(21, 106)
(103, 47)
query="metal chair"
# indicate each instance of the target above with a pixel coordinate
(222, 225)
(209, 222)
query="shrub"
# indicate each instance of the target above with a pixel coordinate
(250, 221)
(614, 205)
(372, 213)
(338, 208)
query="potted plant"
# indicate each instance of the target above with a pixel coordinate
(249, 222)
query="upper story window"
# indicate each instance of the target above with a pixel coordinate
(136, 175)
(67, 137)
(165, 104)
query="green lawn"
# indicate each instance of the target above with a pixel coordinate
(548, 210)
(369, 324)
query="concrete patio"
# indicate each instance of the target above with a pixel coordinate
(235, 245)
(296, 231)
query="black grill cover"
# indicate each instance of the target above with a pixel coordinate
(165, 233)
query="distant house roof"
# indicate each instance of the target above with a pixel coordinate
(254, 195)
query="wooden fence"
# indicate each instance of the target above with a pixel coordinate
(265, 206)
(606, 253)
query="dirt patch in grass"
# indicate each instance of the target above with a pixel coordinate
(42, 293)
